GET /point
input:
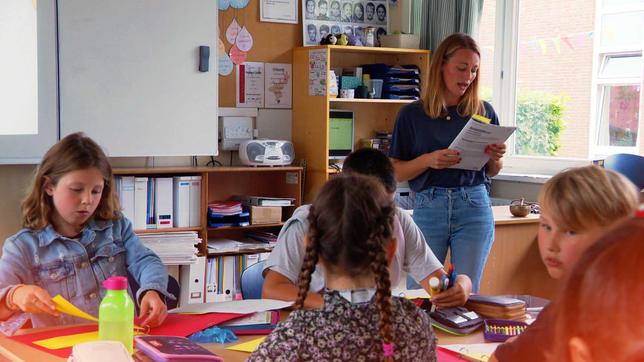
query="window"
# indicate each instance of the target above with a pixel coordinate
(616, 126)
(570, 84)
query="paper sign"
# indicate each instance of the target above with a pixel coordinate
(235, 306)
(249, 346)
(237, 56)
(317, 72)
(64, 306)
(278, 90)
(244, 40)
(232, 31)
(250, 85)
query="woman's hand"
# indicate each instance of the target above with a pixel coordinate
(442, 158)
(153, 309)
(495, 151)
(455, 296)
(33, 299)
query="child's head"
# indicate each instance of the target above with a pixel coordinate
(350, 232)
(78, 162)
(599, 311)
(371, 162)
(577, 205)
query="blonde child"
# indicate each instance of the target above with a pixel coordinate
(577, 206)
(74, 237)
(599, 315)
(350, 234)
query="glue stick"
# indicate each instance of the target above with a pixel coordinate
(434, 286)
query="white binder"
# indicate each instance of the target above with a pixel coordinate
(211, 281)
(163, 202)
(182, 200)
(140, 203)
(192, 282)
(195, 201)
(126, 196)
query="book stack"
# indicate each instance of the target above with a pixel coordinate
(175, 248)
(227, 213)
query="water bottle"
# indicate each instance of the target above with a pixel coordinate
(116, 313)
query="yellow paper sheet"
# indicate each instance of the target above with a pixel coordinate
(64, 306)
(67, 341)
(249, 346)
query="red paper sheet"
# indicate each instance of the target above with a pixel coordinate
(175, 325)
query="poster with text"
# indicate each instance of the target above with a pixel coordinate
(278, 89)
(250, 85)
(351, 17)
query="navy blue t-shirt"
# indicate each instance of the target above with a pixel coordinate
(415, 133)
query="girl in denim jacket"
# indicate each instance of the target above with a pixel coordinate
(74, 237)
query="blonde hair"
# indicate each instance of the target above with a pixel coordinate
(434, 98)
(74, 152)
(581, 197)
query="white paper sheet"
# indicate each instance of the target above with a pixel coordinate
(278, 11)
(473, 139)
(235, 306)
(474, 352)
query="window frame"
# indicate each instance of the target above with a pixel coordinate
(600, 53)
(504, 78)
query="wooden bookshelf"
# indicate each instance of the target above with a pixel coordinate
(310, 113)
(223, 183)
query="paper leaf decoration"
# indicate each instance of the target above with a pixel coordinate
(237, 56)
(223, 4)
(225, 64)
(244, 40)
(232, 31)
(222, 48)
(238, 4)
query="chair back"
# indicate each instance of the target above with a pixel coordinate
(252, 281)
(173, 288)
(631, 166)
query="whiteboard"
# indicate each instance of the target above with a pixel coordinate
(129, 75)
(28, 92)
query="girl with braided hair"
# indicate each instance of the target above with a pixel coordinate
(350, 236)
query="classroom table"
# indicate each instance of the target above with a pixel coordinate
(11, 350)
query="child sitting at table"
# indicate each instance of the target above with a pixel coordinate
(577, 206)
(350, 234)
(599, 313)
(74, 237)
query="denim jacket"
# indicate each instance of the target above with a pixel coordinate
(76, 268)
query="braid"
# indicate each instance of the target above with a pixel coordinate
(383, 284)
(310, 262)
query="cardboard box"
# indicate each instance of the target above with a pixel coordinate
(409, 41)
(265, 215)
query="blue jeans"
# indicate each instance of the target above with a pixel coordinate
(460, 219)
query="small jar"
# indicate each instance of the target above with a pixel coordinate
(370, 36)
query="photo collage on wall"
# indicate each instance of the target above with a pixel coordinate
(351, 17)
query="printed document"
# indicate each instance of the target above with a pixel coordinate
(473, 139)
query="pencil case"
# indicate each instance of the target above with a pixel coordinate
(499, 330)
(495, 307)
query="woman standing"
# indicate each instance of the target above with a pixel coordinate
(452, 206)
